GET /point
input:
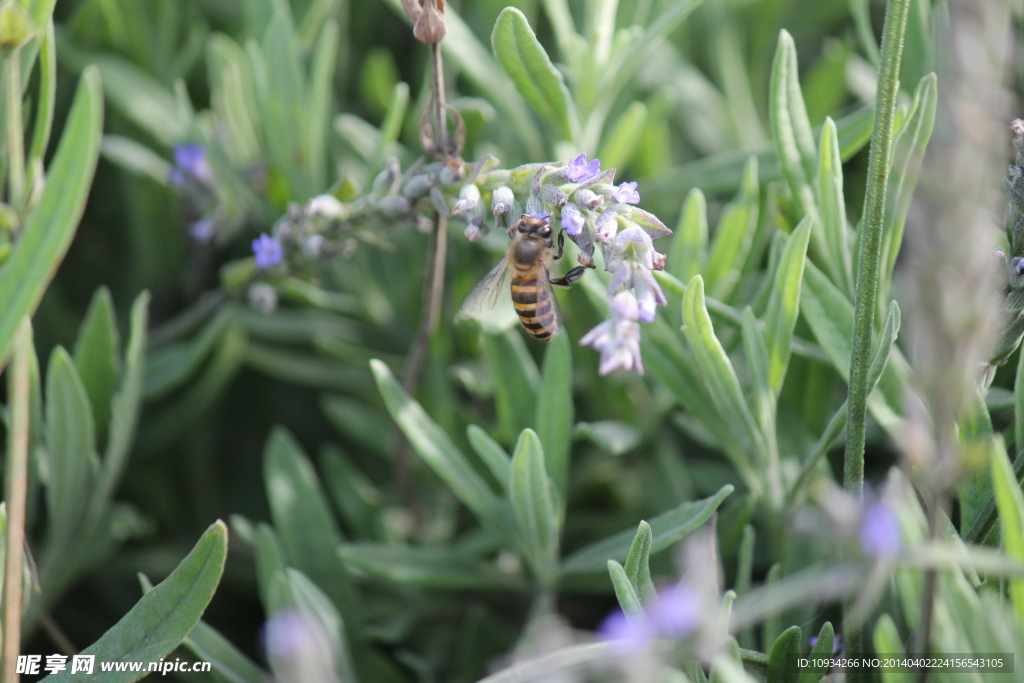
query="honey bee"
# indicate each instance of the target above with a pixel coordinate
(531, 250)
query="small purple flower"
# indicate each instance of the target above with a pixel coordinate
(880, 533)
(287, 633)
(618, 337)
(677, 612)
(837, 643)
(629, 633)
(203, 230)
(579, 170)
(267, 250)
(190, 161)
(626, 194)
(572, 220)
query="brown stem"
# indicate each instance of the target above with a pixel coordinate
(437, 101)
(16, 476)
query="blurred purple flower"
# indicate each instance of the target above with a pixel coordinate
(190, 161)
(837, 643)
(579, 170)
(618, 337)
(572, 220)
(629, 633)
(203, 230)
(880, 533)
(677, 611)
(267, 251)
(287, 633)
(626, 194)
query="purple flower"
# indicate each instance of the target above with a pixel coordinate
(203, 230)
(629, 633)
(287, 633)
(631, 260)
(618, 337)
(267, 250)
(880, 533)
(572, 220)
(579, 170)
(677, 612)
(190, 161)
(626, 194)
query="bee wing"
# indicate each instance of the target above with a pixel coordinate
(485, 294)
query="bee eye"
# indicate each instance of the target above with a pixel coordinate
(545, 231)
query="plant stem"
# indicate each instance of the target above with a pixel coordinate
(15, 130)
(868, 263)
(16, 479)
(871, 240)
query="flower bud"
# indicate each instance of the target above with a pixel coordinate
(501, 200)
(430, 27)
(588, 199)
(549, 194)
(469, 199)
(534, 205)
(419, 184)
(325, 205)
(394, 205)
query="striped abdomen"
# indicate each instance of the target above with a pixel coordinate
(533, 303)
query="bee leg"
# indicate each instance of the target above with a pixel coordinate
(561, 245)
(570, 277)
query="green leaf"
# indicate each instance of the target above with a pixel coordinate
(492, 455)
(293, 591)
(433, 445)
(318, 109)
(689, 247)
(784, 302)
(624, 590)
(125, 406)
(638, 566)
(716, 368)
(210, 646)
(667, 529)
(71, 458)
(391, 127)
(887, 641)
(535, 77)
(354, 495)
(164, 616)
(791, 128)
(96, 352)
(425, 567)
(43, 125)
(834, 237)
(620, 146)
(48, 230)
(734, 236)
(515, 382)
(1010, 503)
(533, 500)
(303, 519)
(823, 649)
(136, 158)
(614, 437)
(785, 645)
(554, 418)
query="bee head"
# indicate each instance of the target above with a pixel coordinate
(536, 223)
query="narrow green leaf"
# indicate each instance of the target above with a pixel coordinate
(834, 239)
(1010, 503)
(126, 404)
(555, 416)
(96, 352)
(784, 302)
(734, 236)
(293, 591)
(762, 400)
(533, 501)
(210, 646)
(887, 640)
(822, 649)
(689, 246)
(47, 233)
(71, 458)
(303, 519)
(270, 560)
(1018, 406)
(668, 528)
(354, 495)
(492, 455)
(437, 450)
(163, 618)
(620, 146)
(791, 128)
(716, 368)
(785, 645)
(638, 565)
(427, 567)
(43, 125)
(624, 590)
(318, 109)
(515, 382)
(536, 78)
(614, 437)
(391, 127)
